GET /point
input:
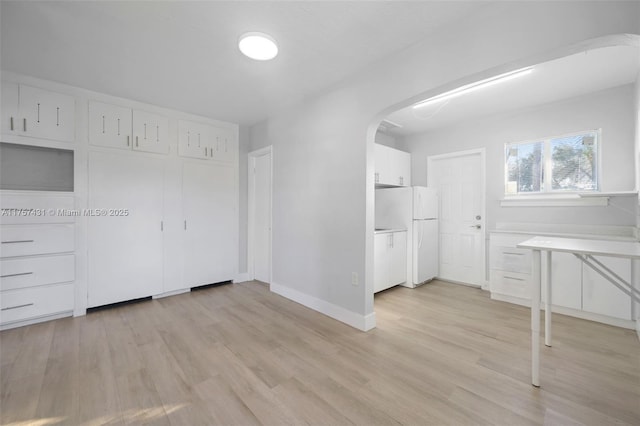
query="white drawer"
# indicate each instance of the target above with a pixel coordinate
(19, 273)
(18, 240)
(35, 302)
(511, 284)
(511, 259)
(19, 208)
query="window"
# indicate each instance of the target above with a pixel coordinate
(558, 164)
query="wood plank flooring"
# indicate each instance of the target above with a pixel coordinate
(240, 355)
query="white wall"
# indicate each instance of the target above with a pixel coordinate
(323, 149)
(611, 110)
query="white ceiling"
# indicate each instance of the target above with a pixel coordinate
(563, 78)
(184, 55)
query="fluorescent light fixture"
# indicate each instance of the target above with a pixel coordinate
(475, 86)
(258, 46)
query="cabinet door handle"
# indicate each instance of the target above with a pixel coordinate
(205, 152)
(128, 140)
(17, 241)
(157, 133)
(401, 180)
(16, 275)
(225, 145)
(24, 124)
(11, 125)
(38, 117)
(513, 254)
(136, 141)
(185, 225)
(162, 226)
(513, 278)
(58, 116)
(16, 307)
(377, 177)
(103, 124)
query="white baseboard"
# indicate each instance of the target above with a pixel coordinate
(242, 277)
(361, 322)
(616, 322)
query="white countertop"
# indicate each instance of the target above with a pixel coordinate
(625, 249)
(606, 237)
(386, 231)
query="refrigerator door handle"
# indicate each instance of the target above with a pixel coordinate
(421, 234)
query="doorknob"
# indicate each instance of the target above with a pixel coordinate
(476, 226)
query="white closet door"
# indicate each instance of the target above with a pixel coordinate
(125, 252)
(209, 210)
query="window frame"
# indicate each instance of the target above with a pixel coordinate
(546, 183)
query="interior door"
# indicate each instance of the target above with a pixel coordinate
(125, 233)
(262, 218)
(459, 179)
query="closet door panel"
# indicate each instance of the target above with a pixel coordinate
(125, 251)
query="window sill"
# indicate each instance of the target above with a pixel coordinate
(568, 200)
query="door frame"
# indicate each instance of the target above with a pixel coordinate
(484, 282)
(251, 163)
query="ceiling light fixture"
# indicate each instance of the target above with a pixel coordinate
(258, 46)
(475, 86)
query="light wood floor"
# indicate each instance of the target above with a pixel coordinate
(237, 354)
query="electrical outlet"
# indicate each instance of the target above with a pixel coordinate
(354, 279)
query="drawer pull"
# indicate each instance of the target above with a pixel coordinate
(17, 307)
(513, 254)
(512, 278)
(17, 241)
(16, 275)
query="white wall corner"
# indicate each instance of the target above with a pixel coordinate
(360, 322)
(241, 277)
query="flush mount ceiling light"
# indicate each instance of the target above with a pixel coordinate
(475, 86)
(258, 46)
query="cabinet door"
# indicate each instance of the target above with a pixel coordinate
(10, 119)
(381, 262)
(401, 163)
(600, 296)
(224, 145)
(210, 232)
(46, 115)
(398, 256)
(109, 125)
(150, 132)
(383, 167)
(194, 139)
(566, 280)
(124, 252)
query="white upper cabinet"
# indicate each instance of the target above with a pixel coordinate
(150, 132)
(37, 113)
(115, 126)
(225, 145)
(393, 167)
(198, 140)
(194, 139)
(109, 125)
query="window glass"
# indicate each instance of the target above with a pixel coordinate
(556, 164)
(574, 163)
(524, 167)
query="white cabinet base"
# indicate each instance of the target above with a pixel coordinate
(590, 316)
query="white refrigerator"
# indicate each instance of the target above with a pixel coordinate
(416, 210)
